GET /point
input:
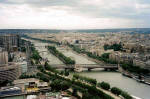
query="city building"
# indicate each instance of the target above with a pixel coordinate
(9, 72)
(10, 42)
(24, 67)
(20, 59)
(3, 57)
(30, 84)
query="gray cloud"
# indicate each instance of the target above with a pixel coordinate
(121, 9)
(41, 3)
(110, 9)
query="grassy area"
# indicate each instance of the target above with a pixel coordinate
(62, 57)
(115, 47)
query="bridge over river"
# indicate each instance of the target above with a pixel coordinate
(84, 66)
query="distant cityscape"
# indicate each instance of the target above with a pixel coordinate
(126, 30)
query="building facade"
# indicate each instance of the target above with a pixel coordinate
(9, 42)
(9, 72)
(3, 57)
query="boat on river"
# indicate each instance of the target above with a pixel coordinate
(78, 69)
(134, 97)
(127, 75)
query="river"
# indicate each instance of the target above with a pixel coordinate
(40, 47)
(114, 78)
(78, 58)
(117, 79)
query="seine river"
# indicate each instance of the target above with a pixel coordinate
(114, 78)
(117, 79)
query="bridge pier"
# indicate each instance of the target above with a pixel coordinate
(105, 69)
(109, 69)
(72, 69)
(113, 69)
(65, 69)
(89, 69)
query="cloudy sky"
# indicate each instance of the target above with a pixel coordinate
(74, 14)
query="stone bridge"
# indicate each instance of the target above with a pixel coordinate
(85, 66)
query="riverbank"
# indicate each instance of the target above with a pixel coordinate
(138, 78)
(117, 79)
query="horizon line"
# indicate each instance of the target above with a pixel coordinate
(69, 29)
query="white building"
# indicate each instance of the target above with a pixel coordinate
(23, 66)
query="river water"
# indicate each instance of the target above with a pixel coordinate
(114, 78)
(118, 80)
(40, 47)
(78, 58)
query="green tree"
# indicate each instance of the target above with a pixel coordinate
(116, 90)
(104, 85)
(66, 73)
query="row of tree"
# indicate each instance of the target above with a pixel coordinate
(35, 54)
(135, 69)
(23, 76)
(115, 90)
(86, 79)
(66, 60)
(118, 91)
(104, 57)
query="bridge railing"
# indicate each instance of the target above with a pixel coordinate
(82, 66)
